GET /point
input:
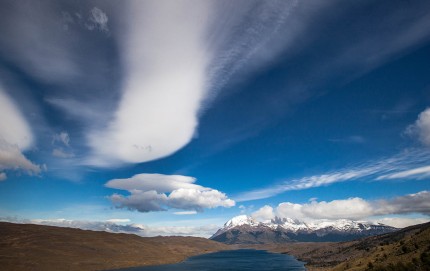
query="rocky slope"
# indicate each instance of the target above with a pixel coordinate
(244, 230)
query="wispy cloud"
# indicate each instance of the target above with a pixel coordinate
(394, 167)
(141, 89)
(157, 192)
(185, 213)
(416, 173)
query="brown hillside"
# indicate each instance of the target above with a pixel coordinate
(406, 249)
(36, 247)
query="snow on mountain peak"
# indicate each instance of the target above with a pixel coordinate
(295, 225)
(239, 221)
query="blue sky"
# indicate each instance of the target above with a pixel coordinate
(180, 115)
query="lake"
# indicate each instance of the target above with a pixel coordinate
(232, 260)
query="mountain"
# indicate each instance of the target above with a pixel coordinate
(39, 247)
(402, 250)
(245, 230)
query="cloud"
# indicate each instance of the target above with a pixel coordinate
(61, 141)
(416, 173)
(158, 192)
(401, 222)
(264, 213)
(421, 128)
(163, 63)
(3, 176)
(412, 203)
(142, 201)
(98, 20)
(158, 182)
(112, 226)
(15, 137)
(11, 158)
(59, 152)
(118, 220)
(166, 58)
(397, 166)
(176, 62)
(14, 129)
(62, 137)
(351, 208)
(185, 213)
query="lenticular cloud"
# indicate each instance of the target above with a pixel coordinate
(171, 58)
(165, 61)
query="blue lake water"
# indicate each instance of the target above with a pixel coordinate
(232, 260)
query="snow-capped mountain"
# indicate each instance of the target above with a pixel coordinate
(244, 229)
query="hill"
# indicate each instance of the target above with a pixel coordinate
(36, 247)
(406, 249)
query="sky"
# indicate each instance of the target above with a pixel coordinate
(175, 116)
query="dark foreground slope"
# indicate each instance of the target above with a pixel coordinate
(36, 247)
(406, 249)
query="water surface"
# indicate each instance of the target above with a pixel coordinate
(232, 260)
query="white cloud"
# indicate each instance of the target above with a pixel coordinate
(393, 167)
(112, 226)
(158, 182)
(264, 213)
(306, 182)
(157, 192)
(118, 220)
(199, 231)
(198, 199)
(291, 210)
(351, 208)
(166, 59)
(11, 158)
(185, 213)
(416, 173)
(401, 222)
(14, 130)
(421, 128)
(3, 176)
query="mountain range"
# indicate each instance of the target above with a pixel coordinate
(244, 229)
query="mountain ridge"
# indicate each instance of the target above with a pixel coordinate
(244, 229)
